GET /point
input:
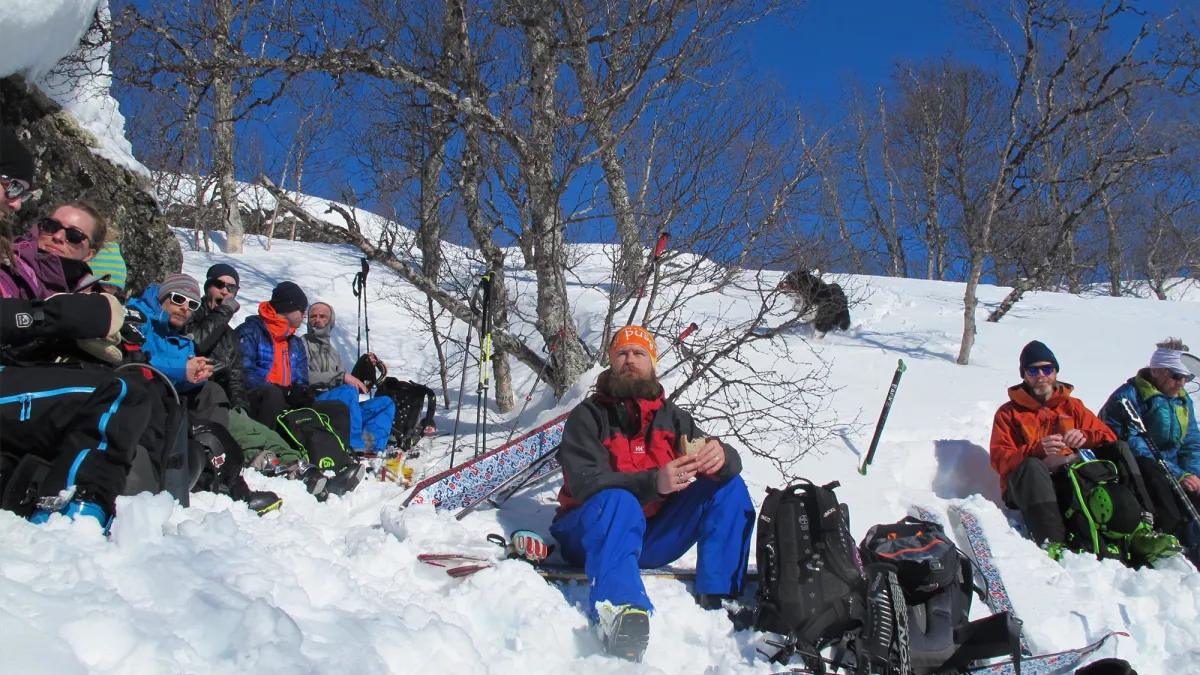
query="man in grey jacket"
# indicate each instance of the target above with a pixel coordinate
(328, 376)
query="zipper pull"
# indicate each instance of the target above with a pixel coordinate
(26, 407)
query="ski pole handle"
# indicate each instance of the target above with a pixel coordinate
(661, 245)
(687, 331)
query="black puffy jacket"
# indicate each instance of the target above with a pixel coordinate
(209, 330)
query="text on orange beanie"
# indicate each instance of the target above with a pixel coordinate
(634, 335)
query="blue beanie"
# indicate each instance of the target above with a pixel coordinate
(1036, 352)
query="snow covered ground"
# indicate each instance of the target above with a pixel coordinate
(328, 588)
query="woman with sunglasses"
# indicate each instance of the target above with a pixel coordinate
(1157, 391)
(75, 231)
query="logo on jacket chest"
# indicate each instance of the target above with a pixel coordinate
(637, 446)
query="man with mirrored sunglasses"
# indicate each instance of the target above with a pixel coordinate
(1157, 392)
(1039, 431)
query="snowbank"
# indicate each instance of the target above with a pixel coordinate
(328, 588)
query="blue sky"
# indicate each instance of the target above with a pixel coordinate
(829, 44)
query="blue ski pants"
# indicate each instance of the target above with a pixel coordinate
(374, 414)
(611, 538)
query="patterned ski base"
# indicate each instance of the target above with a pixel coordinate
(469, 482)
(966, 526)
(458, 566)
(1049, 664)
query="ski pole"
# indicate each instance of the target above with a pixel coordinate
(552, 347)
(658, 251)
(692, 327)
(462, 386)
(883, 415)
(1135, 420)
(485, 361)
(359, 288)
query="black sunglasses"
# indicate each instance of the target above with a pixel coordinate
(180, 299)
(1186, 377)
(1034, 371)
(232, 288)
(18, 189)
(74, 235)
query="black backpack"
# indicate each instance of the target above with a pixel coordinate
(937, 581)
(813, 588)
(311, 433)
(165, 463)
(410, 398)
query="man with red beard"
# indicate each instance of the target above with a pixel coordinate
(637, 495)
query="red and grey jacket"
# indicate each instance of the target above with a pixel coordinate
(609, 443)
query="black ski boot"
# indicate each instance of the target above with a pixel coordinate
(740, 614)
(346, 480)
(625, 630)
(263, 501)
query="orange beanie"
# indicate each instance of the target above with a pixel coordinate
(634, 335)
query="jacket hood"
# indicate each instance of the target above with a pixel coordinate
(322, 334)
(149, 300)
(1019, 395)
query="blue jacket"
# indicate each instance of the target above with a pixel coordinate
(166, 349)
(258, 354)
(1170, 423)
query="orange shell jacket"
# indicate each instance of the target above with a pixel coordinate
(1022, 423)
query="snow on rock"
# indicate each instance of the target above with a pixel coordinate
(336, 587)
(39, 33)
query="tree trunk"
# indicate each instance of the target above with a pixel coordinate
(1115, 271)
(223, 131)
(629, 266)
(1020, 288)
(970, 303)
(472, 177)
(549, 242)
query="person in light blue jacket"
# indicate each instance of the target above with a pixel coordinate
(166, 308)
(1157, 393)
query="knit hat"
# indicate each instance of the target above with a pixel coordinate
(15, 160)
(181, 284)
(108, 261)
(1036, 352)
(223, 270)
(634, 335)
(287, 297)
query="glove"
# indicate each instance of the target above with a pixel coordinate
(300, 396)
(232, 305)
(133, 332)
(1055, 462)
(529, 546)
(107, 348)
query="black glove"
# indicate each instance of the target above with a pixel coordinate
(132, 332)
(300, 396)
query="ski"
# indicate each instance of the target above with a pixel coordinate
(966, 526)
(458, 565)
(1047, 664)
(883, 415)
(1057, 663)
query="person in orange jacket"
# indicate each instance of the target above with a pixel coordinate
(1039, 431)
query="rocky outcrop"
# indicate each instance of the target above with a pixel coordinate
(67, 169)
